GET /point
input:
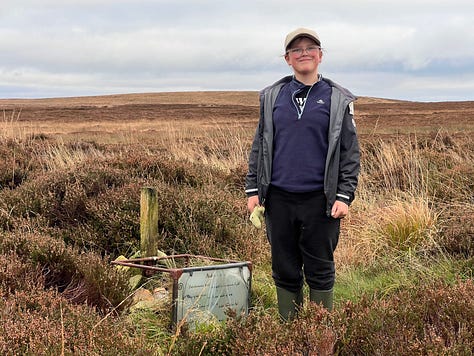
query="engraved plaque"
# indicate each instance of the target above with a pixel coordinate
(207, 294)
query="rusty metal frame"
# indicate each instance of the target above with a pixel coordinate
(146, 264)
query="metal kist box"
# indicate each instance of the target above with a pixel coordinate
(203, 288)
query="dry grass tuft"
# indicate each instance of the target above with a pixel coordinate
(398, 225)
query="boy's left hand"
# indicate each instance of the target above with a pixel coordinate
(339, 210)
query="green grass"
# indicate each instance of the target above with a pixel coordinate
(391, 274)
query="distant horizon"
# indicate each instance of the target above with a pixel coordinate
(202, 91)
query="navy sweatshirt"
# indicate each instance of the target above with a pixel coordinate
(301, 122)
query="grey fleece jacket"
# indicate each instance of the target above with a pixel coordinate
(343, 157)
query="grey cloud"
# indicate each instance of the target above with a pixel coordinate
(92, 46)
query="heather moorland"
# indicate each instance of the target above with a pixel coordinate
(71, 171)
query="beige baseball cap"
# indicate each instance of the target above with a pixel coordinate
(301, 32)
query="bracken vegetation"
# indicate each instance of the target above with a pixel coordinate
(70, 204)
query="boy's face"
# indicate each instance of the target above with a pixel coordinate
(306, 62)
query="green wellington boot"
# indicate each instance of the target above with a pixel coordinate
(322, 296)
(288, 303)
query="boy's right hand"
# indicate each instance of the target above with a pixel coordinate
(252, 202)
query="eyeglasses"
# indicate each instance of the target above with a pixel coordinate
(300, 51)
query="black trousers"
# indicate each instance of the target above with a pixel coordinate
(302, 238)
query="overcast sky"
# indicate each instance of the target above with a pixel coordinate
(419, 50)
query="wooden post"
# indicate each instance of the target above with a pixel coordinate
(148, 222)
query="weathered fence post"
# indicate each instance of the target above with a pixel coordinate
(148, 222)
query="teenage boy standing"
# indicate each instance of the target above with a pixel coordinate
(303, 169)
